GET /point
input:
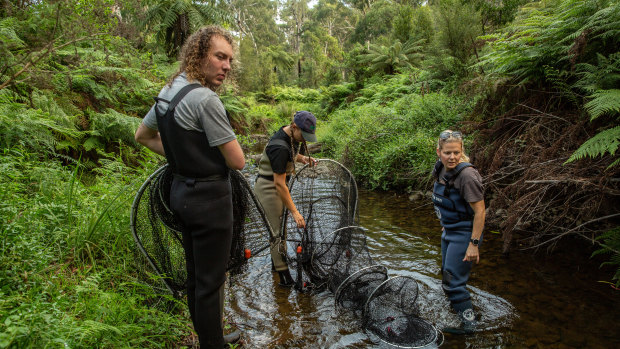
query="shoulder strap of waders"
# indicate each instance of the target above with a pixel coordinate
(177, 98)
(450, 177)
(278, 141)
(437, 169)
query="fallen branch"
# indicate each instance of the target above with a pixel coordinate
(575, 230)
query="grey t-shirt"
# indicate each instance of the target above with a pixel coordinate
(468, 183)
(200, 110)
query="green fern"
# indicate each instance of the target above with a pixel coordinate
(603, 102)
(113, 126)
(95, 329)
(90, 284)
(610, 245)
(603, 142)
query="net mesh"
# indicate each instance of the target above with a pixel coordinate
(329, 253)
(158, 235)
(392, 314)
(334, 255)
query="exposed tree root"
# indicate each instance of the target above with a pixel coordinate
(532, 195)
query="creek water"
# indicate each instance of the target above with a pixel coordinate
(525, 300)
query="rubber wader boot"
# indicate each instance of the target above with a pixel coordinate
(286, 280)
(468, 323)
(232, 337)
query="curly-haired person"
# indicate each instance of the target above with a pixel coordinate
(189, 126)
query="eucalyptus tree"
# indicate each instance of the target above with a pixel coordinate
(294, 14)
(256, 19)
(376, 23)
(258, 35)
(327, 32)
(336, 17)
(495, 13)
(360, 5)
(456, 25)
(173, 21)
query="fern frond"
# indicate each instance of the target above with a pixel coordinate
(606, 141)
(94, 329)
(610, 245)
(603, 102)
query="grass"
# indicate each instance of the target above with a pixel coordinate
(68, 276)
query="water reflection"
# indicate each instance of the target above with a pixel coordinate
(552, 307)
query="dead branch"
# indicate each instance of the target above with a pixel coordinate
(575, 231)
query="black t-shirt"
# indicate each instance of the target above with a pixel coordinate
(280, 155)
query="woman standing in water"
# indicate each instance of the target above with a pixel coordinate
(459, 203)
(276, 165)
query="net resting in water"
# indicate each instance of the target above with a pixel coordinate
(329, 253)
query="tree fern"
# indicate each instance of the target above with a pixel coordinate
(384, 59)
(174, 20)
(545, 33)
(602, 143)
(113, 126)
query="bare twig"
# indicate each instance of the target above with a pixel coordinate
(575, 231)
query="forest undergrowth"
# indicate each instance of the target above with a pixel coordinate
(534, 195)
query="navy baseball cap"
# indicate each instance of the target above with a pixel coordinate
(306, 122)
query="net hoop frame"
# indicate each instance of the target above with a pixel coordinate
(379, 267)
(163, 202)
(294, 178)
(132, 220)
(260, 209)
(134, 211)
(365, 310)
(334, 233)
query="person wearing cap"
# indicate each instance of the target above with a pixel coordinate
(275, 167)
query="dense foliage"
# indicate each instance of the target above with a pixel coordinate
(533, 83)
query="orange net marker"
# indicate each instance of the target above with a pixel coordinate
(248, 253)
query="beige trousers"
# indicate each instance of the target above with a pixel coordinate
(267, 195)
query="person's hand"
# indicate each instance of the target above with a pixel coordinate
(309, 160)
(299, 219)
(472, 254)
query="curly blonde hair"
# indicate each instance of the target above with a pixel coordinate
(195, 49)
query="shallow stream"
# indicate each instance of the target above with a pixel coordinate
(525, 300)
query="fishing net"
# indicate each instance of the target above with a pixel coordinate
(331, 253)
(158, 235)
(325, 195)
(391, 313)
(355, 289)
